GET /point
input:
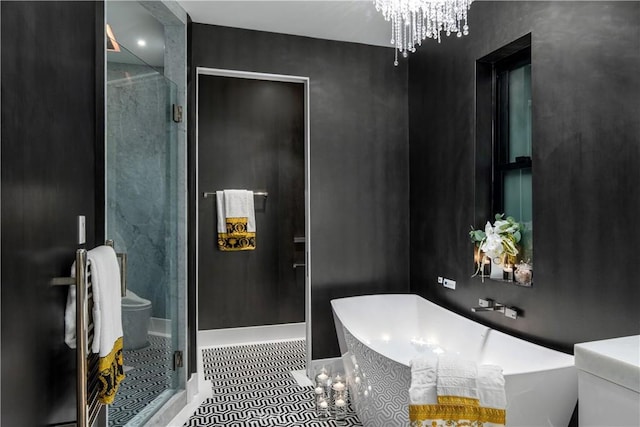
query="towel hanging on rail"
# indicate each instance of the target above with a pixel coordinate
(451, 391)
(107, 319)
(236, 220)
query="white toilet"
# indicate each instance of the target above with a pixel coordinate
(136, 315)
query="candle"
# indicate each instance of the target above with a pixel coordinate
(323, 376)
(507, 272)
(340, 403)
(338, 386)
(319, 390)
(324, 404)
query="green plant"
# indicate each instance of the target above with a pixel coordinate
(500, 238)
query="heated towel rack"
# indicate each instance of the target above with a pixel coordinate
(87, 383)
(88, 406)
(255, 193)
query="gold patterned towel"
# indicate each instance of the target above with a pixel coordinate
(467, 413)
(451, 392)
(236, 220)
(110, 373)
(107, 319)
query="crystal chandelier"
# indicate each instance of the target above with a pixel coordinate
(414, 20)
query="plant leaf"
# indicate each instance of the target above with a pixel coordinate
(517, 236)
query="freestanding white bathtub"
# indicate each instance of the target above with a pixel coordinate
(380, 334)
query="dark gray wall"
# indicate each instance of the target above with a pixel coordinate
(586, 162)
(52, 136)
(251, 135)
(359, 158)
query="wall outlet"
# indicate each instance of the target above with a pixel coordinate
(448, 283)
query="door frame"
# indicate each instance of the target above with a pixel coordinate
(219, 72)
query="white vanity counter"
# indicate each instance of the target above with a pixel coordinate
(609, 382)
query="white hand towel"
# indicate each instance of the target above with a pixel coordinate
(70, 314)
(457, 391)
(107, 314)
(107, 311)
(236, 220)
(491, 387)
(457, 377)
(423, 381)
(235, 204)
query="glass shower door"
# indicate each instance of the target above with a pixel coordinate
(142, 210)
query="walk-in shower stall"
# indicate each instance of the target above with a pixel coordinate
(145, 200)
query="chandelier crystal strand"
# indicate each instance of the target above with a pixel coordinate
(414, 20)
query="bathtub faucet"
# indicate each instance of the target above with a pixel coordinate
(488, 305)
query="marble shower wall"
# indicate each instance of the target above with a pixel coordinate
(141, 193)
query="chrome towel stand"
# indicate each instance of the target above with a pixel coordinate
(88, 406)
(81, 338)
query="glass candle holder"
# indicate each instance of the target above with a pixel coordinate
(507, 272)
(322, 376)
(322, 407)
(340, 404)
(323, 383)
(486, 266)
(338, 393)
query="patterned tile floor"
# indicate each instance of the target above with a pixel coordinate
(253, 386)
(149, 366)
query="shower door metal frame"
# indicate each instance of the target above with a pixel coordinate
(219, 72)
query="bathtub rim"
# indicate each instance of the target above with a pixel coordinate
(568, 363)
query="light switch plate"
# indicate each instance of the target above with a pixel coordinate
(448, 283)
(82, 230)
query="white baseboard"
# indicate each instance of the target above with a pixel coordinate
(160, 327)
(160, 418)
(251, 335)
(203, 391)
(192, 387)
(301, 378)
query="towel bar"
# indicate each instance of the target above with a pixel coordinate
(123, 268)
(87, 408)
(264, 194)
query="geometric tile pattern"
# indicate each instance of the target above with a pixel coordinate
(381, 396)
(148, 374)
(253, 386)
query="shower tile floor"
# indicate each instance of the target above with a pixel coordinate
(253, 386)
(148, 374)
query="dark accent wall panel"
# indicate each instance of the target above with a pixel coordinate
(251, 135)
(359, 157)
(586, 162)
(51, 104)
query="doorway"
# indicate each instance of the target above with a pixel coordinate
(252, 133)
